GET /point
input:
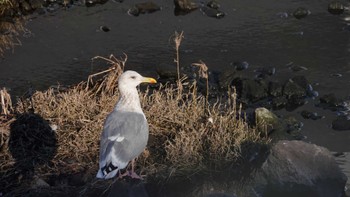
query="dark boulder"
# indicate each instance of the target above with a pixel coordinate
(275, 89)
(336, 7)
(301, 12)
(310, 115)
(143, 8)
(297, 168)
(250, 89)
(330, 101)
(211, 12)
(342, 123)
(294, 88)
(184, 6)
(279, 102)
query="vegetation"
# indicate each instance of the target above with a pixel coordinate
(187, 133)
(10, 26)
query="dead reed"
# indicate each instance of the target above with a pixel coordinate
(10, 26)
(5, 102)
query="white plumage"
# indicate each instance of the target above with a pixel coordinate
(125, 131)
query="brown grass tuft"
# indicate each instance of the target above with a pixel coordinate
(5, 102)
(10, 26)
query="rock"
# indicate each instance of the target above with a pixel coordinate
(310, 115)
(329, 101)
(342, 123)
(25, 7)
(301, 81)
(275, 89)
(105, 28)
(253, 90)
(213, 4)
(298, 168)
(35, 4)
(279, 102)
(265, 72)
(277, 128)
(212, 12)
(265, 119)
(90, 3)
(226, 78)
(39, 183)
(294, 102)
(143, 8)
(240, 65)
(301, 12)
(167, 71)
(336, 8)
(185, 5)
(293, 89)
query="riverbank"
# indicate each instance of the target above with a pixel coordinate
(55, 133)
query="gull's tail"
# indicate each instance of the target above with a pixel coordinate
(107, 172)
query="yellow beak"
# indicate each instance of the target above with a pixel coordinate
(149, 80)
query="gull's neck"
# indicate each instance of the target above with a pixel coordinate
(129, 100)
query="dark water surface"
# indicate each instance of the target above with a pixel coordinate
(61, 45)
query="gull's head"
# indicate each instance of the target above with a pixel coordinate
(130, 79)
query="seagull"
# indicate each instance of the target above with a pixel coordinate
(125, 131)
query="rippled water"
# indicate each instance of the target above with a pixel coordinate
(61, 45)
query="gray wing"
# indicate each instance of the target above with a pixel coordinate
(124, 137)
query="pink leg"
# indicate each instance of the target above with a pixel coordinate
(131, 173)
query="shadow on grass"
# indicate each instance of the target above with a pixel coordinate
(224, 178)
(32, 144)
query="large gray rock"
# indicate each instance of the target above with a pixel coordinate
(297, 168)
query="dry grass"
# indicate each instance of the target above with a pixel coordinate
(10, 27)
(183, 136)
(5, 102)
(187, 134)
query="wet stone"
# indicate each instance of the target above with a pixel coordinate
(301, 12)
(293, 89)
(185, 5)
(252, 90)
(279, 102)
(240, 65)
(212, 12)
(25, 7)
(226, 78)
(342, 123)
(275, 89)
(336, 8)
(105, 28)
(143, 8)
(265, 72)
(213, 4)
(330, 101)
(295, 102)
(35, 4)
(310, 115)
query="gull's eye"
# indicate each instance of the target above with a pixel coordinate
(133, 77)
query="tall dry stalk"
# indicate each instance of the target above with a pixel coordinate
(178, 39)
(6, 103)
(117, 67)
(203, 72)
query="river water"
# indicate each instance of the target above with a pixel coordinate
(60, 45)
